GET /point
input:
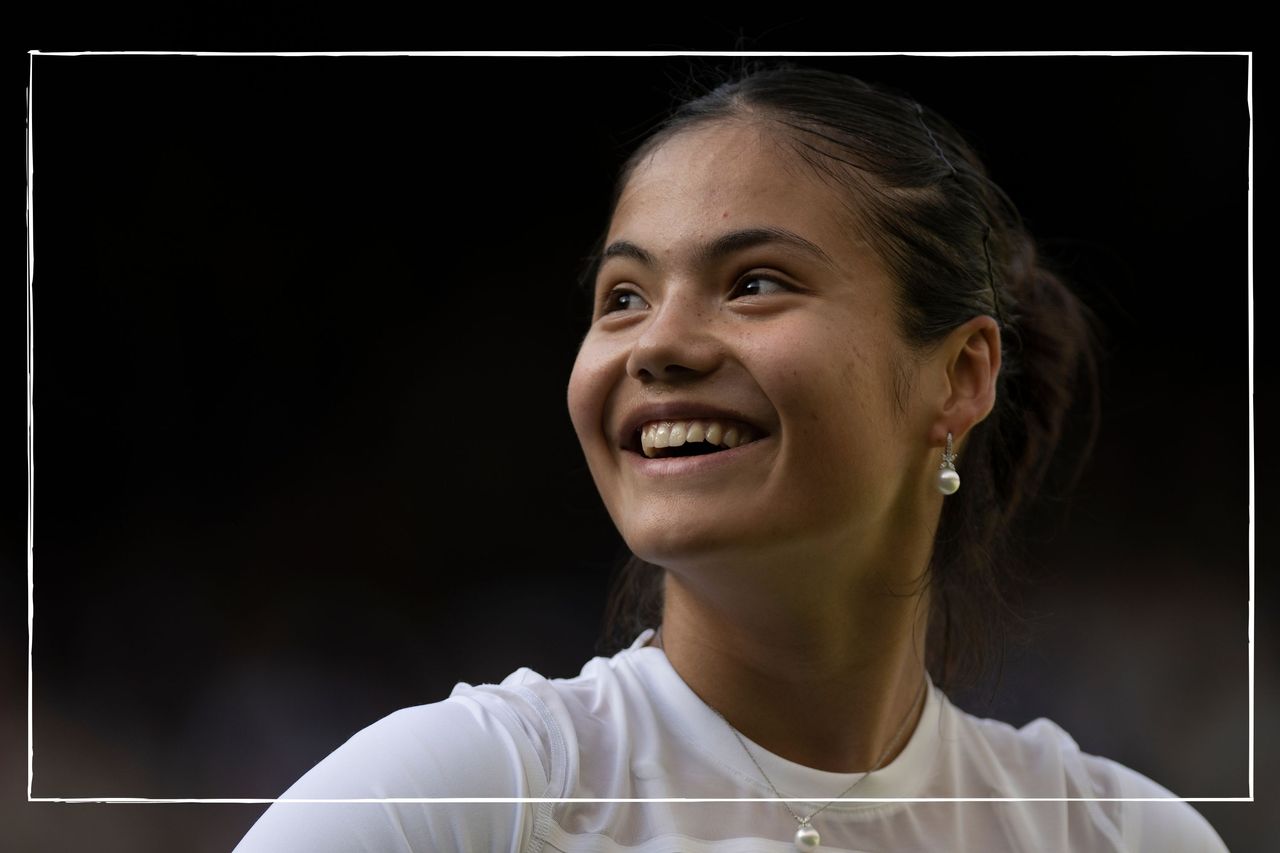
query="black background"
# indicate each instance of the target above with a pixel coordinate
(302, 333)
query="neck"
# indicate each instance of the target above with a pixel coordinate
(837, 690)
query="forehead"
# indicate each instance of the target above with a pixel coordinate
(712, 179)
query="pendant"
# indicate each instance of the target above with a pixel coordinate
(948, 481)
(807, 837)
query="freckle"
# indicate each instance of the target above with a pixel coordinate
(724, 215)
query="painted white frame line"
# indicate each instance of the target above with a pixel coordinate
(639, 53)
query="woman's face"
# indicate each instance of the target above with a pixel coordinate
(732, 285)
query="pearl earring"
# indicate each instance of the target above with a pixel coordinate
(948, 479)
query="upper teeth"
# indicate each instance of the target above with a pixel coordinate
(656, 434)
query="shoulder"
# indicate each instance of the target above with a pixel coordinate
(1154, 818)
(1104, 799)
(477, 743)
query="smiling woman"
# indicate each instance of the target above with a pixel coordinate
(823, 373)
(902, 305)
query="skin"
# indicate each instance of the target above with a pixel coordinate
(793, 602)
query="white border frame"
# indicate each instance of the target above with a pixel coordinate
(642, 53)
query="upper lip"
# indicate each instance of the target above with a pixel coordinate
(677, 411)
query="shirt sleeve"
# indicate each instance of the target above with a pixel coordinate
(455, 748)
(1158, 827)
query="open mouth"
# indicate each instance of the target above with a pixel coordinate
(665, 439)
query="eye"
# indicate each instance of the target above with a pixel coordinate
(752, 285)
(619, 299)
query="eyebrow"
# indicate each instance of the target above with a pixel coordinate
(723, 246)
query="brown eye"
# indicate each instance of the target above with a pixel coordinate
(620, 299)
(758, 285)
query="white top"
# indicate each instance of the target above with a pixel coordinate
(629, 726)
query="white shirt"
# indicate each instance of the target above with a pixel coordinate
(629, 726)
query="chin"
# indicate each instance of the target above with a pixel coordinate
(674, 545)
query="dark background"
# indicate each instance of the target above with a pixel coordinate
(302, 334)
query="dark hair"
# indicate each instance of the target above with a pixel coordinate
(956, 247)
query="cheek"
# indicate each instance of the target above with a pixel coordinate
(580, 400)
(822, 388)
(839, 441)
(588, 388)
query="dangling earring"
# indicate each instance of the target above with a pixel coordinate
(948, 479)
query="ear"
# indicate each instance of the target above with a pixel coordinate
(970, 360)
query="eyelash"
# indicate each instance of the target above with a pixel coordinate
(607, 300)
(761, 277)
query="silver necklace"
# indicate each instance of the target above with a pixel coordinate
(807, 837)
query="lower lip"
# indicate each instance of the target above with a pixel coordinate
(675, 466)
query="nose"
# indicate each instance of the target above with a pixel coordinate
(678, 341)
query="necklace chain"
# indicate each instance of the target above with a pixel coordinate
(804, 821)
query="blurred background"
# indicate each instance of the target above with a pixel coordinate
(302, 333)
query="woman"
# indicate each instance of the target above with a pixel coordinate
(823, 371)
